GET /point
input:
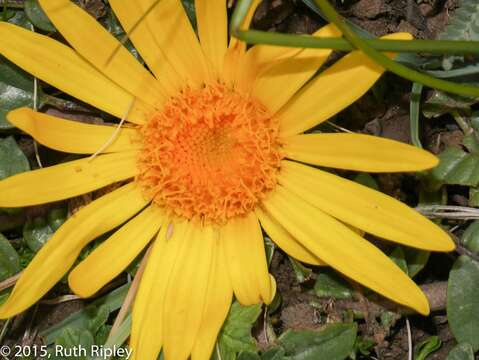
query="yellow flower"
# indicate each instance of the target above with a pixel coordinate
(215, 153)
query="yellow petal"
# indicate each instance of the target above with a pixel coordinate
(358, 152)
(61, 67)
(147, 317)
(130, 15)
(218, 301)
(116, 253)
(333, 90)
(259, 57)
(212, 29)
(284, 240)
(97, 45)
(256, 59)
(72, 136)
(60, 252)
(173, 33)
(66, 180)
(364, 208)
(243, 247)
(280, 81)
(343, 249)
(186, 293)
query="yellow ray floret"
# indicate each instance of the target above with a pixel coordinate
(243, 244)
(341, 84)
(285, 240)
(96, 45)
(57, 256)
(358, 152)
(344, 249)
(60, 66)
(364, 208)
(113, 255)
(72, 136)
(67, 180)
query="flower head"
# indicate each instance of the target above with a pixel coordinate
(214, 153)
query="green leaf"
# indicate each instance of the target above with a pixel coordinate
(189, 6)
(470, 238)
(463, 301)
(302, 272)
(473, 196)
(441, 103)
(464, 24)
(334, 342)
(457, 167)
(12, 159)
(99, 319)
(16, 90)
(462, 351)
(331, 284)
(37, 16)
(416, 260)
(471, 143)
(399, 258)
(9, 259)
(366, 180)
(276, 353)
(427, 347)
(235, 336)
(269, 247)
(84, 318)
(248, 355)
(38, 231)
(71, 341)
(364, 345)
(19, 18)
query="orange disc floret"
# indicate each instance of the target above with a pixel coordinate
(211, 154)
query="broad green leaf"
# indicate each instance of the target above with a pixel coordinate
(399, 258)
(12, 159)
(457, 167)
(331, 284)
(189, 6)
(38, 231)
(470, 238)
(366, 180)
(235, 336)
(276, 353)
(302, 272)
(16, 90)
(363, 345)
(83, 319)
(473, 196)
(441, 103)
(462, 351)
(334, 342)
(416, 260)
(471, 143)
(9, 259)
(269, 247)
(69, 344)
(248, 355)
(463, 301)
(427, 347)
(20, 18)
(37, 16)
(99, 319)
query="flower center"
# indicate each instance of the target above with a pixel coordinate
(211, 154)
